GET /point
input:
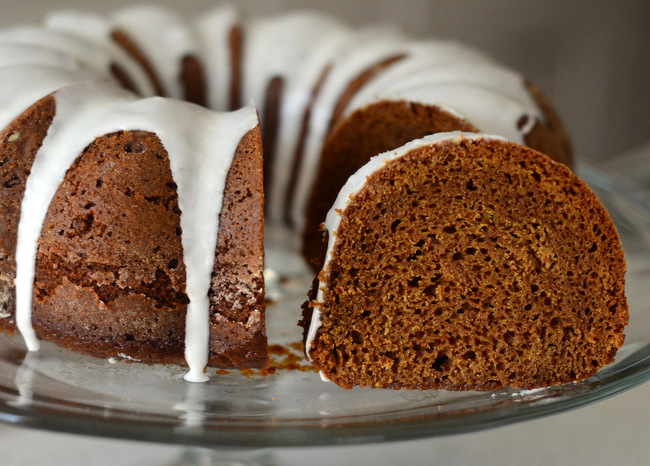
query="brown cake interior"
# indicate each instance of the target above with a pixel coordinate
(472, 266)
(367, 132)
(109, 271)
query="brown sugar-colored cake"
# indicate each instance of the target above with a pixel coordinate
(463, 261)
(19, 143)
(378, 127)
(111, 244)
(132, 225)
(116, 261)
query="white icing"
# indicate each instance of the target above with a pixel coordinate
(438, 51)
(199, 167)
(403, 77)
(351, 188)
(213, 31)
(203, 200)
(492, 98)
(18, 54)
(98, 30)
(371, 47)
(164, 38)
(22, 85)
(88, 53)
(299, 86)
(279, 47)
(488, 111)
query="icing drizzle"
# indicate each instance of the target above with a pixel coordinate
(73, 54)
(199, 167)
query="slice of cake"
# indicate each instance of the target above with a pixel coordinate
(463, 261)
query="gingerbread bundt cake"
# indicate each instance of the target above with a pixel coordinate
(136, 203)
(462, 261)
(118, 250)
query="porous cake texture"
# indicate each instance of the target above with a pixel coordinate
(467, 263)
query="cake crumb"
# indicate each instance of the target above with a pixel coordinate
(282, 358)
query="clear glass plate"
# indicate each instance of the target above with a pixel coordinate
(63, 391)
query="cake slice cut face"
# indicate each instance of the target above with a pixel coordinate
(462, 261)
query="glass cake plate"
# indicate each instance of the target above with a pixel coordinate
(58, 390)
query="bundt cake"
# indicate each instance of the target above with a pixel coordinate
(133, 221)
(463, 261)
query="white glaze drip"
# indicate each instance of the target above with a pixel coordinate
(371, 47)
(354, 184)
(489, 112)
(213, 31)
(18, 54)
(88, 53)
(88, 110)
(300, 80)
(490, 97)
(164, 38)
(97, 30)
(47, 172)
(22, 85)
(272, 49)
(405, 76)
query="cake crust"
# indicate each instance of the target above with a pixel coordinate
(19, 143)
(110, 276)
(237, 323)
